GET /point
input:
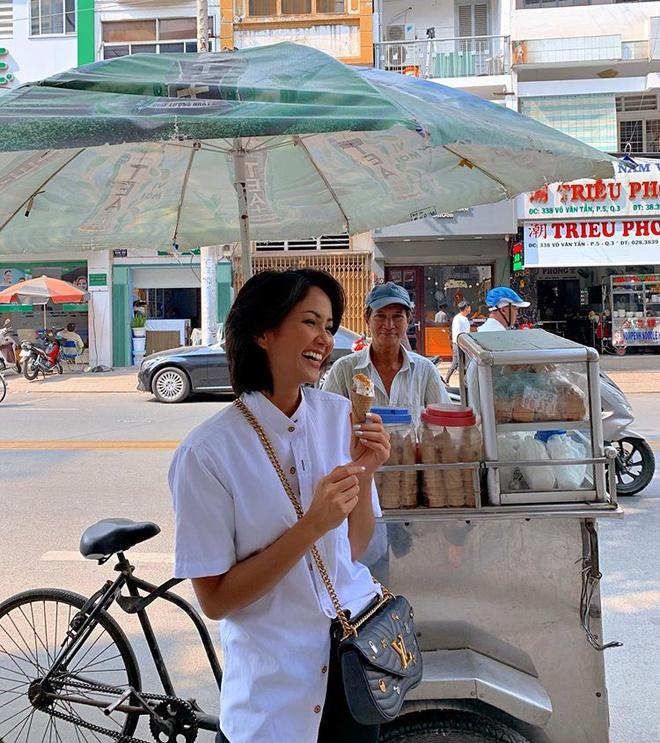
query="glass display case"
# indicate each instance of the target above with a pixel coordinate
(633, 301)
(538, 397)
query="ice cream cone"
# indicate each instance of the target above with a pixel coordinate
(362, 397)
(361, 405)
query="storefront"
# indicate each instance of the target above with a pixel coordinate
(28, 320)
(167, 291)
(579, 235)
(444, 259)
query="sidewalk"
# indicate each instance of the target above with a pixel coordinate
(118, 380)
(634, 374)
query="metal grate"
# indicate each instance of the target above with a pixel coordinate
(6, 19)
(631, 133)
(352, 270)
(634, 103)
(325, 242)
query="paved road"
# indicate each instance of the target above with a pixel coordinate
(51, 491)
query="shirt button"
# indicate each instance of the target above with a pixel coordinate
(317, 709)
(293, 470)
(292, 429)
(324, 669)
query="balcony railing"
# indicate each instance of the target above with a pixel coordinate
(466, 56)
(579, 49)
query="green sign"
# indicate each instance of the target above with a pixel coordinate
(517, 257)
(98, 279)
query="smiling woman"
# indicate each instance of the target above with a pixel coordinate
(247, 551)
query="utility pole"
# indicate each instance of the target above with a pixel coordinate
(209, 253)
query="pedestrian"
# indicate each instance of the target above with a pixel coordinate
(401, 378)
(460, 324)
(503, 304)
(69, 334)
(237, 536)
(441, 316)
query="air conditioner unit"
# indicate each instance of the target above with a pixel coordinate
(400, 32)
(395, 54)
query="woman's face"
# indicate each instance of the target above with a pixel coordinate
(299, 346)
(387, 326)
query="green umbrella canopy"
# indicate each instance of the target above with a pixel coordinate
(147, 150)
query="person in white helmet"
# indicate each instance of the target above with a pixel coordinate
(503, 304)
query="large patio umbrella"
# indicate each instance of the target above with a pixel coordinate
(276, 142)
(41, 290)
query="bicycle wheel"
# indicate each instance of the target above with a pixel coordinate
(3, 388)
(33, 627)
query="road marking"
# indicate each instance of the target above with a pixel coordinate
(165, 558)
(59, 445)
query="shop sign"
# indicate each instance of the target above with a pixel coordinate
(592, 243)
(98, 282)
(629, 193)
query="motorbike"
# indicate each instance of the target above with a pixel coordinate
(635, 460)
(9, 347)
(37, 360)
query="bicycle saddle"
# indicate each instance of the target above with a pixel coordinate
(108, 536)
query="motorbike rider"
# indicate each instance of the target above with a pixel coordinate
(503, 304)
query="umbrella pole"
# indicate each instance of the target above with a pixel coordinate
(45, 328)
(244, 219)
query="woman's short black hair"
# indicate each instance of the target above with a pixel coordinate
(261, 305)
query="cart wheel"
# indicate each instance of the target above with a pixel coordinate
(448, 726)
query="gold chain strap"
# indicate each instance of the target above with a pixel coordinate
(347, 627)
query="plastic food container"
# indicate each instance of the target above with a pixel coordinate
(449, 435)
(398, 489)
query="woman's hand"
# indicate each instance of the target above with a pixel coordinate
(370, 444)
(335, 497)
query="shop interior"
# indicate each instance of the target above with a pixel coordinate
(578, 303)
(438, 289)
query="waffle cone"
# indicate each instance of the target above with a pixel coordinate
(361, 405)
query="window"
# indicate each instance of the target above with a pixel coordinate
(155, 35)
(261, 8)
(473, 20)
(590, 118)
(6, 19)
(639, 123)
(52, 17)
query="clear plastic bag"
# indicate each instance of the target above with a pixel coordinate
(569, 476)
(537, 477)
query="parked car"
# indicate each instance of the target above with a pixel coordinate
(173, 375)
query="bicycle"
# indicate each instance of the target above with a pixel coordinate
(68, 673)
(3, 393)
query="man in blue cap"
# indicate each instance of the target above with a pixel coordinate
(503, 304)
(402, 378)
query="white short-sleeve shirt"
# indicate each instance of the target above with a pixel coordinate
(229, 504)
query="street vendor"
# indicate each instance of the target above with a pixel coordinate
(237, 536)
(402, 378)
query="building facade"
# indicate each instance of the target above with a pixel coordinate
(529, 55)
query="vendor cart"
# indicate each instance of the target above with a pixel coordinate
(633, 302)
(506, 593)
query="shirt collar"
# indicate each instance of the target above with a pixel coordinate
(364, 359)
(271, 417)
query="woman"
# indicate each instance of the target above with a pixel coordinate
(237, 536)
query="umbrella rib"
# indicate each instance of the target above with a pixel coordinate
(39, 188)
(471, 164)
(184, 187)
(298, 141)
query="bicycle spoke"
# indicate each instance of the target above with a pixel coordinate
(89, 649)
(20, 650)
(22, 722)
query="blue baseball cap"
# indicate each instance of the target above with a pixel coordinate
(390, 293)
(500, 296)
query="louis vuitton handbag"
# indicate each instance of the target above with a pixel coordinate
(378, 650)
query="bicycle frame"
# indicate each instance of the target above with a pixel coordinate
(135, 603)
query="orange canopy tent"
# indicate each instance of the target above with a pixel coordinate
(41, 290)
